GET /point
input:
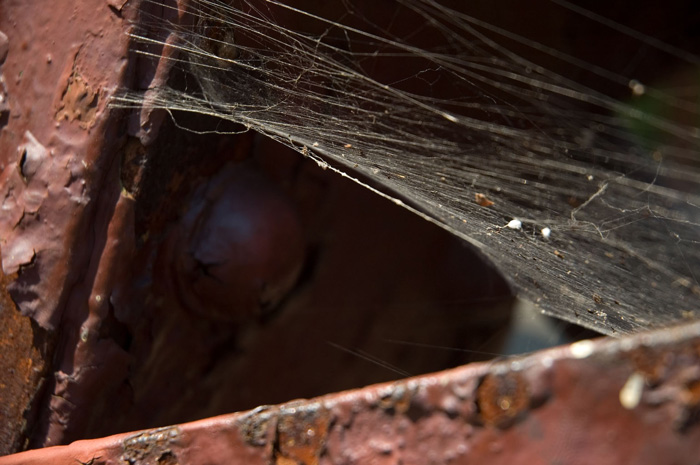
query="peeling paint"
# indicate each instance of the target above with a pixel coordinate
(79, 102)
(17, 254)
(32, 156)
(4, 47)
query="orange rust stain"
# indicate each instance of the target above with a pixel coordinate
(399, 400)
(21, 365)
(692, 393)
(501, 399)
(652, 363)
(286, 461)
(301, 437)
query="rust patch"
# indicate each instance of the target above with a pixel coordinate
(652, 363)
(151, 447)
(132, 166)
(167, 458)
(301, 435)
(689, 403)
(78, 102)
(22, 367)
(502, 399)
(692, 393)
(397, 401)
(255, 427)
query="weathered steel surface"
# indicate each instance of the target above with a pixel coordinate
(99, 229)
(22, 368)
(87, 210)
(57, 79)
(59, 185)
(629, 401)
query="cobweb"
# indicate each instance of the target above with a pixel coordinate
(584, 196)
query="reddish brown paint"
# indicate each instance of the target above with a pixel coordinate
(569, 413)
(58, 147)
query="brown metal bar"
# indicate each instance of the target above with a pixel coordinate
(629, 401)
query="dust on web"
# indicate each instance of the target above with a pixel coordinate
(592, 201)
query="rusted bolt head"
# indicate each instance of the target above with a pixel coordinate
(239, 248)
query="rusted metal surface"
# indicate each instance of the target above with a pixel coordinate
(57, 79)
(628, 401)
(105, 337)
(59, 187)
(98, 222)
(22, 370)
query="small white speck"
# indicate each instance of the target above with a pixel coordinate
(582, 349)
(637, 88)
(546, 232)
(98, 298)
(631, 392)
(589, 177)
(315, 144)
(515, 224)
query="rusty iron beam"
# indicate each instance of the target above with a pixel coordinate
(634, 400)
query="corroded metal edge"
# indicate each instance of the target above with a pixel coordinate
(634, 400)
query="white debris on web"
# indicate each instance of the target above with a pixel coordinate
(637, 88)
(447, 111)
(515, 224)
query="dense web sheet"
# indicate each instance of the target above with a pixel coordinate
(584, 196)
